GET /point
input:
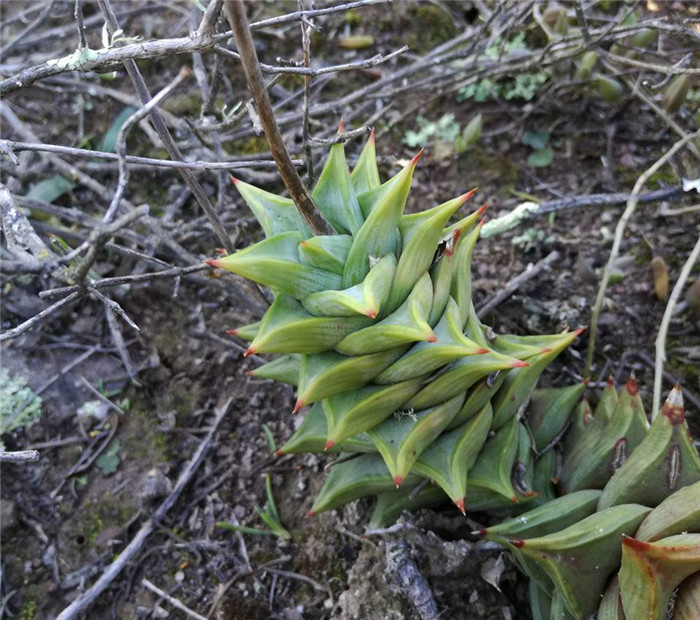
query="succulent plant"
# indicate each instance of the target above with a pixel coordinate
(377, 330)
(626, 532)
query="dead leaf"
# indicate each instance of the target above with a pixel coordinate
(492, 570)
(659, 272)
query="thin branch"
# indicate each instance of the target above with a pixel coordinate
(172, 600)
(306, 48)
(603, 200)
(39, 318)
(665, 322)
(366, 63)
(80, 20)
(235, 11)
(23, 456)
(619, 234)
(174, 272)
(8, 146)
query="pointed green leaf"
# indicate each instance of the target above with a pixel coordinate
(651, 571)
(407, 324)
(546, 519)
(365, 176)
(516, 389)
(591, 464)
(460, 376)
(450, 456)
(607, 403)
(461, 287)
(677, 514)
(285, 369)
(360, 410)
(549, 412)
(275, 213)
(582, 425)
(402, 438)
(288, 328)
(378, 237)
(274, 262)
(425, 357)
(441, 277)
(666, 460)
(311, 437)
(368, 297)
(327, 252)
(494, 467)
(420, 234)
(365, 475)
(524, 347)
(327, 374)
(246, 332)
(335, 195)
(580, 558)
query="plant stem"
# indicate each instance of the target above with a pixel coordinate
(235, 12)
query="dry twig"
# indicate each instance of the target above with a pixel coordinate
(619, 234)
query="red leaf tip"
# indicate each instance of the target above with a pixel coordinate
(329, 444)
(249, 351)
(299, 404)
(633, 543)
(467, 195)
(632, 387)
(432, 337)
(234, 180)
(279, 453)
(341, 125)
(482, 532)
(372, 314)
(517, 542)
(232, 332)
(482, 351)
(414, 161)
(213, 263)
(580, 330)
(397, 481)
(519, 364)
(310, 514)
(460, 504)
(482, 208)
(372, 136)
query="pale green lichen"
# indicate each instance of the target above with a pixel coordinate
(502, 224)
(19, 406)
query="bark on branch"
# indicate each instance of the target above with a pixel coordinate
(235, 12)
